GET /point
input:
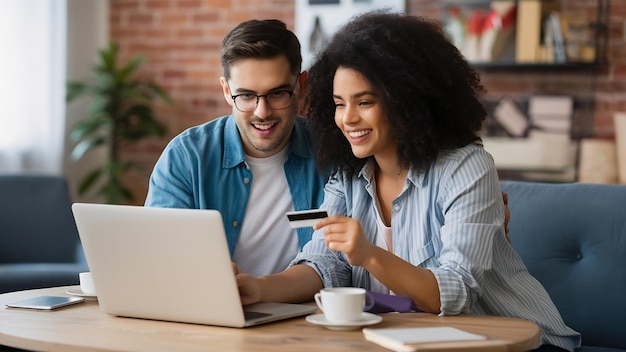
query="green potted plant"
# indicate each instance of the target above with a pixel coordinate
(120, 112)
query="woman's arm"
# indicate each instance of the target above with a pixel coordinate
(345, 234)
(405, 279)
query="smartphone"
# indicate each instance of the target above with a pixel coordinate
(45, 302)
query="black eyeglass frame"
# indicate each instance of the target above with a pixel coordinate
(264, 96)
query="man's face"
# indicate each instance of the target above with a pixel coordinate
(264, 131)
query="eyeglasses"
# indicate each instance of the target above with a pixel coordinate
(277, 99)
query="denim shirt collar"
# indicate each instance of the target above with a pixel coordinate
(301, 140)
(233, 147)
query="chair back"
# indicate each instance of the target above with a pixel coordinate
(572, 238)
(36, 221)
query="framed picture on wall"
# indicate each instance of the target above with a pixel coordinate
(317, 20)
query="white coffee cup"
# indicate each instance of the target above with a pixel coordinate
(341, 304)
(86, 284)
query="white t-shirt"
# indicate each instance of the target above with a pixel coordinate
(383, 240)
(267, 244)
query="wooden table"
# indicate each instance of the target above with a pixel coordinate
(83, 327)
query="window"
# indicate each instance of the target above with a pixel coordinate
(32, 88)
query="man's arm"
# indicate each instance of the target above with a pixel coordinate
(169, 186)
(296, 284)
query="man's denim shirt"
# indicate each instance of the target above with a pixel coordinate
(205, 168)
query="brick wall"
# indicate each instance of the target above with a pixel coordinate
(181, 40)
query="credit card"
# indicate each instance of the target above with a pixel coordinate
(305, 218)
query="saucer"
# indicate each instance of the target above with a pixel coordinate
(366, 319)
(78, 292)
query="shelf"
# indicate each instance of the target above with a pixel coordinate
(547, 160)
(525, 154)
(533, 44)
(535, 14)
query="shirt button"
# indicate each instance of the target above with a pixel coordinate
(235, 224)
(396, 207)
(246, 180)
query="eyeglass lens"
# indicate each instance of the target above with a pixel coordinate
(279, 99)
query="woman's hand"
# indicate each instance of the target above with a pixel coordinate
(345, 234)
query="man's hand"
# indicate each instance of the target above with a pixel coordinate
(249, 286)
(295, 284)
(236, 269)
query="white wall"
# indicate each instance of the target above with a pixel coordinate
(332, 15)
(87, 32)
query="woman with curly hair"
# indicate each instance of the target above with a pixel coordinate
(415, 201)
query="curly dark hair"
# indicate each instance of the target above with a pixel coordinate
(261, 39)
(430, 93)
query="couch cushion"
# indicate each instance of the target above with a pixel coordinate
(598, 349)
(17, 277)
(572, 238)
(36, 220)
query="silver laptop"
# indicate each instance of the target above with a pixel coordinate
(167, 264)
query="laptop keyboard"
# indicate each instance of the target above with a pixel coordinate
(254, 315)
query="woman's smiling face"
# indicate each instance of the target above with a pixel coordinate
(360, 116)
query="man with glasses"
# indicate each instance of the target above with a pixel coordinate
(255, 164)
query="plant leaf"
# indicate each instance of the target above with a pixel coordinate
(74, 90)
(109, 56)
(115, 168)
(83, 146)
(91, 125)
(127, 70)
(160, 92)
(105, 84)
(135, 110)
(139, 122)
(88, 181)
(121, 111)
(151, 126)
(115, 193)
(98, 105)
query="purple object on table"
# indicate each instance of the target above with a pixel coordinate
(383, 303)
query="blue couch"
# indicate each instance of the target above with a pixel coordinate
(39, 243)
(572, 237)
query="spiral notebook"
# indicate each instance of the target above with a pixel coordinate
(411, 339)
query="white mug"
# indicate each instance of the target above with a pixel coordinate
(341, 304)
(86, 284)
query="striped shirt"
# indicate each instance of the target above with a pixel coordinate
(450, 220)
